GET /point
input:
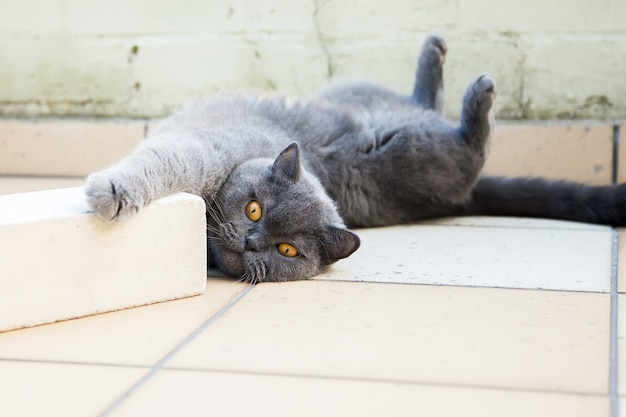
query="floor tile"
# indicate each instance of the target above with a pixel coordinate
(63, 390)
(482, 337)
(622, 406)
(225, 394)
(621, 344)
(513, 223)
(532, 258)
(621, 264)
(137, 336)
(572, 152)
(12, 185)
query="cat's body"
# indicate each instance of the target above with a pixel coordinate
(382, 158)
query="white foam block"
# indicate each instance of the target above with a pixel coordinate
(58, 261)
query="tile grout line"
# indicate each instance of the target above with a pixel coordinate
(386, 381)
(613, 335)
(568, 228)
(615, 171)
(413, 281)
(160, 364)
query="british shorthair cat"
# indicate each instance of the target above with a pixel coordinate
(283, 179)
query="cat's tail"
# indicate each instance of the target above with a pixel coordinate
(538, 197)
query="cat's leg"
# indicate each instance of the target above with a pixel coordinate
(477, 116)
(156, 169)
(428, 90)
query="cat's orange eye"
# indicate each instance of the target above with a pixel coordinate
(253, 211)
(287, 250)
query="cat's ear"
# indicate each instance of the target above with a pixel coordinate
(287, 164)
(340, 243)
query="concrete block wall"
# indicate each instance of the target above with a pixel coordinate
(146, 58)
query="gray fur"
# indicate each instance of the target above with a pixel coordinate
(383, 158)
(355, 153)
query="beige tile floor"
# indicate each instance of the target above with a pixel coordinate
(454, 317)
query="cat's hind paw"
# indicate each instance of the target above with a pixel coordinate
(434, 50)
(477, 118)
(480, 94)
(109, 199)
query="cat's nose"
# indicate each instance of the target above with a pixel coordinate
(251, 243)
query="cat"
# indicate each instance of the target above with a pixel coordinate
(283, 179)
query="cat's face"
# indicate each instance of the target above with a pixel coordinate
(275, 223)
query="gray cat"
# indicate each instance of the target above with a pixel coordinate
(283, 178)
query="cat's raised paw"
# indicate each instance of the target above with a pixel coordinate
(481, 93)
(434, 49)
(109, 199)
(477, 118)
(485, 84)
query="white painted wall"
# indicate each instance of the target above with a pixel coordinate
(138, 58)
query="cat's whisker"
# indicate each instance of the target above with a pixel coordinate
(212, 219)
(215, 215)
(219, 204)
(214, 230)
(263, 271)
(245, 277)
(214, 209)
(250, 279)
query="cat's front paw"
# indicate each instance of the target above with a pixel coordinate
(110, 198)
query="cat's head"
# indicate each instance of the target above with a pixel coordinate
(275, 222)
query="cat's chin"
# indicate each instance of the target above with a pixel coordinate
(247, 266)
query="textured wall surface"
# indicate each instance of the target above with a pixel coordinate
(145, 58)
